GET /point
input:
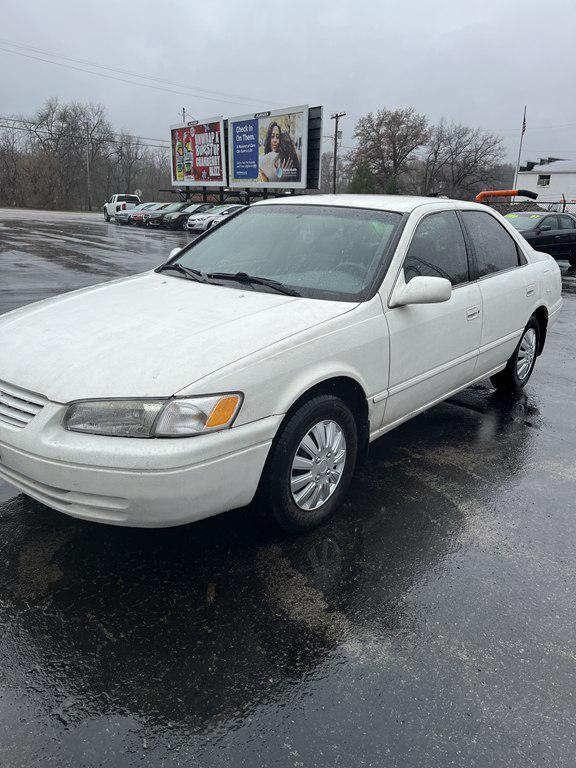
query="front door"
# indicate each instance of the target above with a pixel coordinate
(433, 347)
(548, 237)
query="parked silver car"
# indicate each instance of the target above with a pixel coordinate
(207, 219)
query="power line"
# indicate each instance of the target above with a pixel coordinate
(190, 91)
(87, 62)
(76, 135)
(32, 125)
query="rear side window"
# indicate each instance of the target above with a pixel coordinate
(566, 222)
(495, 249)
(127, 199)
(438, 249)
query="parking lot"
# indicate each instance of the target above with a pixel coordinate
(430, 623)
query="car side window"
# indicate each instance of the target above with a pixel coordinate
(494, 248)
(438, 249)
(549, 221)
(566, 222)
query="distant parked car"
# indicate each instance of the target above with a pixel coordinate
(552, 233)
(118, 203)
(155, 218)
(178, 219)
(147, 214)
(203, 221)
(138, 216)
(124, 217)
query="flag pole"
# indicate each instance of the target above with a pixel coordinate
(523, 131)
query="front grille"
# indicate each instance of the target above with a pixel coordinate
(18, 406)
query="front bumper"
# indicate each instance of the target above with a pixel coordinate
(134, 482)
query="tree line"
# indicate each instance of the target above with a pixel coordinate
(68, 156)
(399, 151)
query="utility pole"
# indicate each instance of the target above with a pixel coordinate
(88, 195)
(336, 117)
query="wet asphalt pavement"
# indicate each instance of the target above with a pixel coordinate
(431, 623)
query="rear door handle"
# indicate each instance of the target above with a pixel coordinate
(530, 290)
(557, 237)
(472, 312)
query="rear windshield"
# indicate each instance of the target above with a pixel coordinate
(128, 199)
(524, 221)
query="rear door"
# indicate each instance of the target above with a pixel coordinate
(433, 347)
(506, 284)
(568, 235)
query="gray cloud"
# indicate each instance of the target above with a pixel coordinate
(477, 64)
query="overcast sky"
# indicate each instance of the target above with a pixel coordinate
(476, 63)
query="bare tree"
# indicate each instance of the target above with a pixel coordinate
(387, 141)
(470, 156)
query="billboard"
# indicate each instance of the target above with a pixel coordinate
(269, 149)
(198, 153)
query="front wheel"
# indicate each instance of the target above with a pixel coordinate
(106, 217)
(521, 364)
(311, 464)
(572, 261)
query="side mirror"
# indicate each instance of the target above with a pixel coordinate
(420, 290)
(174, 252)
(544, 228)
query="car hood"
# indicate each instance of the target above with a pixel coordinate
(145, 336)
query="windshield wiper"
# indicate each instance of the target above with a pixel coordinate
(246, 279)
(193, 274)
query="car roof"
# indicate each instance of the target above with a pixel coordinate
(399, 203)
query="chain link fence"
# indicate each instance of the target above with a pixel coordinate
(505, 205)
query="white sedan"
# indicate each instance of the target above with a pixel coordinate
(207, 219)
(264, 357)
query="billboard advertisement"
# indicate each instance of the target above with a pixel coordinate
(198, 153)
(269, 149)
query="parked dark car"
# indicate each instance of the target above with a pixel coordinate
(178, 219)
(138, 217)
(552, 233)
(155, 218)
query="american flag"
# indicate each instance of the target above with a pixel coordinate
(524, 123)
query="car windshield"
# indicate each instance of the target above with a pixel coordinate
(524, 221)
(219, 209)
(172, 207)
(192, 208)
(319, 251)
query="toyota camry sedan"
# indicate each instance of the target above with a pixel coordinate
(264, 357)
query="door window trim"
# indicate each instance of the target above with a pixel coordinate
(466, 246)
(522, 261)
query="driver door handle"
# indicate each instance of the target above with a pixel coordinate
(472, 313)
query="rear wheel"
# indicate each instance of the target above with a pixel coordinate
(521, 364)
(311, 464)
(572, 261)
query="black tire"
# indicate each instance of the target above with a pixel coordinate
(106, 217)
(572, 261)
(276, 492)
(508, 380)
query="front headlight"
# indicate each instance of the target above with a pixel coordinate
(177, 417)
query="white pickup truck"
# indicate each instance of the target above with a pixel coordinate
(119, 203)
